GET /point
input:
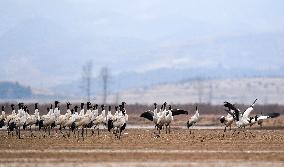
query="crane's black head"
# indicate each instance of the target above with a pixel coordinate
(3, 108)
(72, 111)
(165, 104)
(103, 107)
(50, 106)
(36, 106)
(82, 105)
(25, 108)
(116, 108)
(123, 104)
(89, 105)
(68, 105)
(155, 105)
(56, 103)
(47, 109)
(20, 105)
(170, 107)
(222, 119)
(109, 108)
(76, 108)
(13, 106)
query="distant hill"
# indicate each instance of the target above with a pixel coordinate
(213, 91)
(13, 90)
(49, 56)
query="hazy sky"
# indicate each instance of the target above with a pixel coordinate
(143, 25)
(147, 19)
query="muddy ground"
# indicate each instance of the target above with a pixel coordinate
(143, 147)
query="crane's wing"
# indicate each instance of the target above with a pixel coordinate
(230, 106)
(148, 115)
(178, 112)
(266, 116)
(232, 110)
(247, 112)
(273, 115)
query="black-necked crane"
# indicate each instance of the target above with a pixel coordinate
(193, 119)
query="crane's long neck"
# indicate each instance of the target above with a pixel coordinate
(103, 112)
(155, 112)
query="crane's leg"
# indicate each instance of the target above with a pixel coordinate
(32, 135)
(49, 130)
(78, 132)
(83, 133)
(19, 133)
(119, 133)
(8, 129)
(166, 129)
(69, 133)
(234, 132)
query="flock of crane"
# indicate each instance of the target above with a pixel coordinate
(242, 119)
(76, 119)
(73, 119)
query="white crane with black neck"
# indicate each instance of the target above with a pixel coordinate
(243, 119)
(164, 117)
(61, 120)
(18, 121)
(118, 124)
(32, 119)
(193, 119)
(2, 117)
(100, 120)
(47, 121)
